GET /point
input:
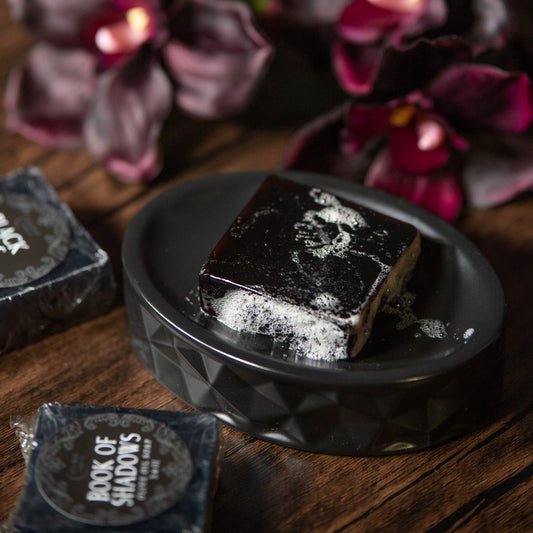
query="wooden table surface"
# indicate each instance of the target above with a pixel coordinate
(480, 482)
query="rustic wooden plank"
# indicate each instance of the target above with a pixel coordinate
(264, 486)
(89, 364)
(480, 482)
(17, 152)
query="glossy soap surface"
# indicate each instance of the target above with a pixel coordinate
(299, 250)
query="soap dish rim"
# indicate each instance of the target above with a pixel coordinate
(427, 223)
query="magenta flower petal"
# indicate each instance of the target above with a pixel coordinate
(365, 22)
(49, 93)
(406, 155)
(481, 96)
(123, 125)
(440, 195)
(216, 57)
(363, 123)
(116, 33)
(356, 66)
(492, 178)
(57, 21)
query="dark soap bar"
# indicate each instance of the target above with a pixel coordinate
(308, 268)
(52, 273)
(118, 469)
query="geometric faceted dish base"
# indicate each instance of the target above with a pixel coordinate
(404, 417)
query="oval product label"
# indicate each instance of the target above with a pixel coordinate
(34, 239)
(113, 469)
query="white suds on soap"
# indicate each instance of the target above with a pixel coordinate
(432, 328)
(311, 230)
(314, 232)
(326, 301)
(306, 333)
(468, 333)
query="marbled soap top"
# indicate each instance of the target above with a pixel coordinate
(307, 247)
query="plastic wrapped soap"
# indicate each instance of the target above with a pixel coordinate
(52, 273)
(117, 469)
(308, 268)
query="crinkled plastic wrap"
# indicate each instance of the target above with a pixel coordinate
(116, 469)
(58, 280)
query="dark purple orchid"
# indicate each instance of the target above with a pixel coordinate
(368, 29)
(106, 73)
(413, 144)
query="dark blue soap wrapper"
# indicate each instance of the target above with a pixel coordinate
(79, 287)
(196, 454)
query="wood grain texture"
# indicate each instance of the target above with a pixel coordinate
(479, 483)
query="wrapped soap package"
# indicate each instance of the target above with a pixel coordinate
(52, 273)
(117, 469)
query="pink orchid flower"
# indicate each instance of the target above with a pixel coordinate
(413, 143)
(105, 73)
(367, 29)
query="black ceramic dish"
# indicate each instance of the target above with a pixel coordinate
(405, 391)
